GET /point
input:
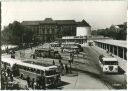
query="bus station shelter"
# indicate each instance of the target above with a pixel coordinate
(116, 47)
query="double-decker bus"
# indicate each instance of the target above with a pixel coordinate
(109, 65)
(51, 73)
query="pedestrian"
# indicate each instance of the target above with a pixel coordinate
(11, 77)
(7, 50)
(28, 81)
(59, 61)
(66, 68)
(53, 62)
(34, 56)
(8, 71)
(62, 68)
(70, 66)
(22, 76)
(37, 83)
(32, 83)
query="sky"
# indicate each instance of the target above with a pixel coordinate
(99, 14)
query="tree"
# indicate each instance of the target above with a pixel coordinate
(123, 32)
(16, 33)
(113, 32)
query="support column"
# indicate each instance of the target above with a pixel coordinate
(117, 51)
(106, 47)
(109, 48)
(123, 53)
(113, 49)
(102, 45)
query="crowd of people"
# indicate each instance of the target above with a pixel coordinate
(6, 78)
(63, 68)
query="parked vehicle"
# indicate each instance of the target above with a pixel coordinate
(50, 73)
(47, 53)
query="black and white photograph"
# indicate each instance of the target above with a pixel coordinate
(63, 45)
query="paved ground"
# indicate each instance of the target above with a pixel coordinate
(88, 70)
(83, 81)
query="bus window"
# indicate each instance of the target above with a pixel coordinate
(38, 71)
(50, 72)
(25, 68)
(31, 69)
(42, 72)
(110, 62)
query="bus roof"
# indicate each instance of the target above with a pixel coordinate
(43, 49)
(35, 66)
(109, 59)
(19, 62)
(8, 60)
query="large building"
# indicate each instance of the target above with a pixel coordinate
(50, 30)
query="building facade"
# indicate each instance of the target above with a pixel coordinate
(50, 30)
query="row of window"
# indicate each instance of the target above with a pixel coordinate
(46, 31)
(30, 69)
(48, 26)
(37, 71)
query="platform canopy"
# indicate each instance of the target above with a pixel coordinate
(120, 43)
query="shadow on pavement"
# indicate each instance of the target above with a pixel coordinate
(60, 86)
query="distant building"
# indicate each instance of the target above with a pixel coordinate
(50, 30)
(83, 29)
(76, 39)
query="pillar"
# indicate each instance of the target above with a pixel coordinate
(102, 45)
(106, 46)
(109, 48)
(113, 49)
(123, 53)
(117, 51)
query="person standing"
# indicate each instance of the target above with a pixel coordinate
(53, 62)
(28, 81)
(66, 68)
(62, 68)
(32, 84)
(11, 77)
(60, 61)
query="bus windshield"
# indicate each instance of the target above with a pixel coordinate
(51, 72)
(110, 62)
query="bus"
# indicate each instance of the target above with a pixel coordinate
(51, 73)
(109, 65)
(55, 44)
(47, 53)
(75, 47)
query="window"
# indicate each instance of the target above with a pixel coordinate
(38, 71)
(42, 72)
(111, 62)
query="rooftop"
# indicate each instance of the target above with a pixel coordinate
(120, 43)
(59, 22)
(82, 23)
